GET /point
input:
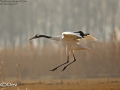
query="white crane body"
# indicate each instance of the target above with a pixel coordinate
(71, 42)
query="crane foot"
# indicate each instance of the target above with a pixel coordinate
(53, 69)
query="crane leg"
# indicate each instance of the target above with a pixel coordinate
(61, 64)
(69, 63)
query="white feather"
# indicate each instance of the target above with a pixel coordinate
(90, 37)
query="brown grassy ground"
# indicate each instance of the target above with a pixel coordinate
(103, 59)
(82, 84)
(21, 63)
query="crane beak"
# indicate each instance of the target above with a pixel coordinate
(32, 38)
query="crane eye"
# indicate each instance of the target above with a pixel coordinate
(36, 35)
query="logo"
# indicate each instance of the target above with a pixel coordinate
(3, 84)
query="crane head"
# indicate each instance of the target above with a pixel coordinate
(36, 36)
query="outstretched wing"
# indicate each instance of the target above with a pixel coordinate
(71, 35)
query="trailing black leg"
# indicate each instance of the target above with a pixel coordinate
(69, 63)
(61, 64)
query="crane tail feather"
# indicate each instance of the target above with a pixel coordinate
(90, 37)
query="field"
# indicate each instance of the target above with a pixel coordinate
(102, 60)
(33, 63)
(81, 84)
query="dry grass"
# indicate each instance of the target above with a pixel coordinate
(102, 60)
(82, 84)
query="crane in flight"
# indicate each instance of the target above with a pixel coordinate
(71, 42)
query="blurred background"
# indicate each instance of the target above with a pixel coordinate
(20, 58)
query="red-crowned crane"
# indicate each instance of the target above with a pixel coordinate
(71, 41)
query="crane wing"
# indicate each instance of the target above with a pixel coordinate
(80, 47)
(71, 35)
(90, 37)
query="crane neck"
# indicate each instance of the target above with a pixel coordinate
(45, 36)
(56, 38)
